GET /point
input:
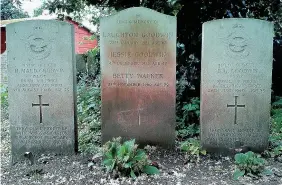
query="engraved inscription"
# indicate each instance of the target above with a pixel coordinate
(221, 136)
(48, 136)
(139, 21)
(148, 35)
(39, 78)
(240, 71)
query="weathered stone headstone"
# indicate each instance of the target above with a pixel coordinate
(41, 81)
(236, 84)
(138, 65)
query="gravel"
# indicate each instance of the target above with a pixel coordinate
(86, 169)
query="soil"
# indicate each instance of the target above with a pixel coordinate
(76, 170)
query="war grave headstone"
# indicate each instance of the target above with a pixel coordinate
(42, 93)
(236, 73)
(138, 65)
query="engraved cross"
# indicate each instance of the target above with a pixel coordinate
(40, 104)
(139, 116)
(126, 75)
(235, 106)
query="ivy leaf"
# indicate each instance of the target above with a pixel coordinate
(240, 158)
(250, 155)
(140, 154)
(121, 151)
(278, 103)
(184, 146)
(150, 170)
(238, 173)
(113, 149)
(110, 164)
(109, 155)
(129, 145)
(125, 159)
(277, 150)
(128, 165)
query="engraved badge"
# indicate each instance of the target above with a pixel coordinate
(237, 43)
(38, 47)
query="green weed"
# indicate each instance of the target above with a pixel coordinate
(275, 149)
(188, 124)
(89, 115)
(126, 159)
(192, 149)
(4, 101)
(250, 164)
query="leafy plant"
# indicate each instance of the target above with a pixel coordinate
(12, 10)
(4, 101)
(277, 103)
(93, 61)
(89, 115)
(275, 149)
(4, 95)
(193, 149)
(188, 131)
(188, 124)
(89, 140)
(191, 110)
(249, 164)
(276, 125)
(89, 102)
(275, 139)
(126, 159)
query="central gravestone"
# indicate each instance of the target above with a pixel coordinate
(138, 64)
(41, 81)
(236, 84)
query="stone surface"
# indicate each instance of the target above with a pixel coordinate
(138, 64)
(236, 76)
(42, 103)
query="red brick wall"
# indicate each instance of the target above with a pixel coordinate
(3, 39)
(82, 45)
